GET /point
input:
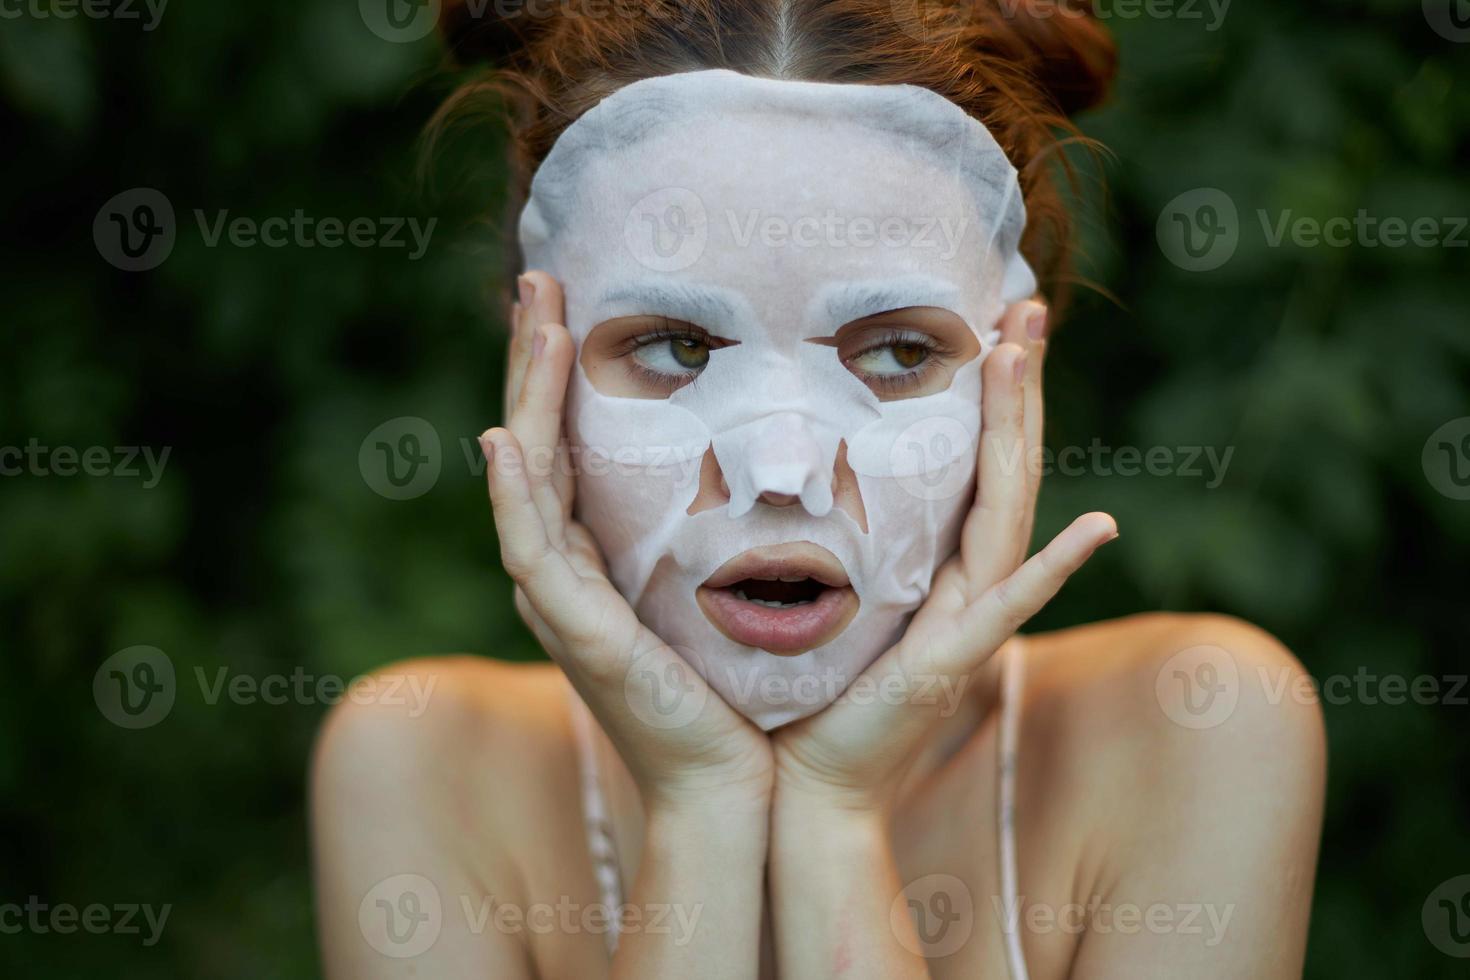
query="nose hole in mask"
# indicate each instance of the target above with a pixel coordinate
(713, 492)
(846, 494)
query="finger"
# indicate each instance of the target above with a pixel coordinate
(527, 551)
(517, 357)
(991, 541)
(535, 291)
(537, 425)
(1005, 606)
(1023, 323)
(1026, 324)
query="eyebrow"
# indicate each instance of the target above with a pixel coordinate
(705, 305)
(849, 301)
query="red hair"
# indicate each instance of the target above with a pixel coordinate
(1020, 67)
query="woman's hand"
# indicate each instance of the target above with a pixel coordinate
(621, 669)
(834, 881)
(855, 753)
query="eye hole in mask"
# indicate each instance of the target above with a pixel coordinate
(905, 353)
(646, 356)
(898, 354)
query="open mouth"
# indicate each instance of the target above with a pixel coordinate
(784, 599)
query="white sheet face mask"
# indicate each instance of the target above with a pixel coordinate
(771, 214)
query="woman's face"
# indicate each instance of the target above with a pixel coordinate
(780, 318)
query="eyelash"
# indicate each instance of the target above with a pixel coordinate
(890, 383)
(658, 379)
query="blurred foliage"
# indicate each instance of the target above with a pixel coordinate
(264, 550)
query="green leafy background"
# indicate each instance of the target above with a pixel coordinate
(265, 550)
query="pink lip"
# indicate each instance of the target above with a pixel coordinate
(782, 631)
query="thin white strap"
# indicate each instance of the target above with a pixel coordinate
(600, 842)
(1013, 677)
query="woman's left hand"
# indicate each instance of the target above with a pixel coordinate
(854, 754)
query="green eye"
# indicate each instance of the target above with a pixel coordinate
(687, 353)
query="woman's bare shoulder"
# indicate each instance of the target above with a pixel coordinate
(1157, 725)
(462, 744)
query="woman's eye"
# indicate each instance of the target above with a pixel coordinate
(893, 358)
(672, 355)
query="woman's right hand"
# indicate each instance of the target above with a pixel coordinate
(699, 751)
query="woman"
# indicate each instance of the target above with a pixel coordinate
(805, 740)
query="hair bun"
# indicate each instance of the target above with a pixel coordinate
(1071, 53)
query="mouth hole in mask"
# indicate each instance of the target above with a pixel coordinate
(778, 593)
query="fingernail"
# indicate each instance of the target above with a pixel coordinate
(526, 289)
(1018, 370)
(1036, 324)
(515, 316)
(487, 447)
(538, 343)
